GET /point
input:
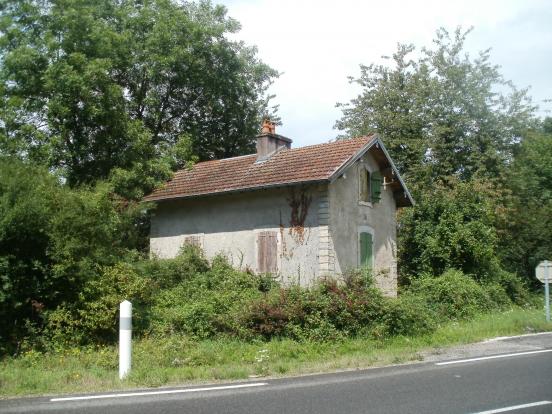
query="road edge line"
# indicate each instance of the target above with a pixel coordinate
(162, 392)
(460, 361)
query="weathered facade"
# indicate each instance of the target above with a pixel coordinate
(299, 213)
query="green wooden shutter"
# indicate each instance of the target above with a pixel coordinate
(366, 250)
(375, 186)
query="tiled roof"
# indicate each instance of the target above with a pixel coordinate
(288, 166)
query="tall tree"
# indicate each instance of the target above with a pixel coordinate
(526, 231)
(53, 239)
(94, 87)
(440, 114)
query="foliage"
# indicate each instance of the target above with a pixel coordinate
(450, 228)
(26, 201)
(453, 295)
(189, 296)
(514, 286)
(177, 359)
(472, 151)
(408, 315)
(204, 304)
(130, 88)
(52, 241)
(171, 272)
(441, 114)
(526, 231)
(325, 312)
(92, 319)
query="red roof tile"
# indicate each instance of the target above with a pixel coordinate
(297, 165)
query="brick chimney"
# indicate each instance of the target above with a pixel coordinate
(268, 142)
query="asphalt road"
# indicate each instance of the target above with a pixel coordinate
(520, 378)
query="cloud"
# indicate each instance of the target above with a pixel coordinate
(318, 44)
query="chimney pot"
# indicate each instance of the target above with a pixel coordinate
(268, 142)
(268, 127)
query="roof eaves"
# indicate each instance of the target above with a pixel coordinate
(350, 161)
(237, 190)
(396, 172)
(375, 140)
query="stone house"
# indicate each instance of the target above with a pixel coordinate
(299, 213)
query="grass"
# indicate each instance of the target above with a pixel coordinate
(178, 360)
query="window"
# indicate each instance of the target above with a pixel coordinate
(366, 250)
(194, 240)
(370, 185)
(364, 178)
(267, 252)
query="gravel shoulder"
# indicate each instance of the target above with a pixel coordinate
(494, 346)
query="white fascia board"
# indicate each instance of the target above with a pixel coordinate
(363, 151)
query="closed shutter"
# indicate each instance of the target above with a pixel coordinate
(267, 245)
(366, 250)
(375, 186)
(193, 240)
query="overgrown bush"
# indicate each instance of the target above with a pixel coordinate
(206, 301)
(191, 297)
(514, 286)
(453, 295)
(407, 315)
(326, 311)
(53, 241)
(93, 318)
(451, 226)
(168, 273)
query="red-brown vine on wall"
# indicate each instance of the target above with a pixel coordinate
(299, 200)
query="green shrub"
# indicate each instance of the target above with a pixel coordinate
(93, 319)
(498, 298)
(205, 303)
(168, 273)
(270, 316)
(326, 311)
(355, 305)
(53, 241)
(408, 315)
(451, 226)
(453, 295)
(315, 328)
(514, 286)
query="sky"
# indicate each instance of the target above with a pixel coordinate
(317, 45)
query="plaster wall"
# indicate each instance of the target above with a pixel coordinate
(348, 216)
(229, 224)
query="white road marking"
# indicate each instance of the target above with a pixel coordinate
(502, 338)
(460, 361)
(137, 394)
(514, 407)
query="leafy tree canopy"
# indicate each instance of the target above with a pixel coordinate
(53, 239)
(526, 231)
(440, 112)
(451, 228)
(125, 87)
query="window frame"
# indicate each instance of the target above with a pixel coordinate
(363, 169)
(368, 179)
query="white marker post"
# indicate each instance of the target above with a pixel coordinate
(543, 272)
(125, 338)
